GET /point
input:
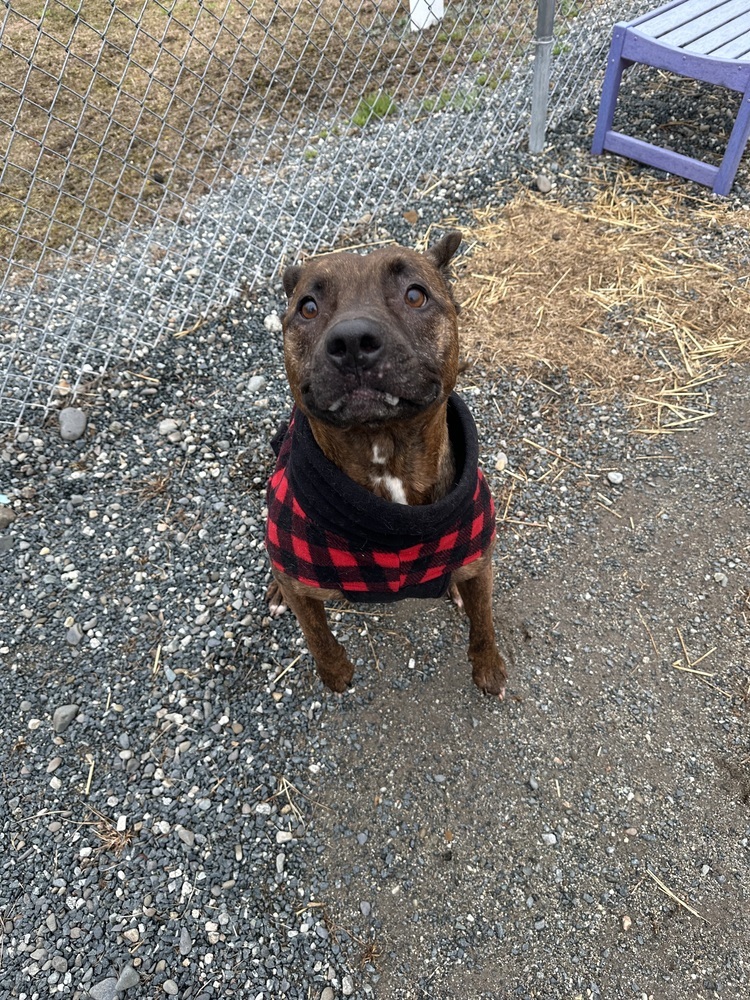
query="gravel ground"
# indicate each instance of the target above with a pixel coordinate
(184, 810)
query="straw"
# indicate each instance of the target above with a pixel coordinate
(618, 293)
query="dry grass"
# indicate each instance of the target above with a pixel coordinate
(673, 896)
(110, 839)
(618, 292)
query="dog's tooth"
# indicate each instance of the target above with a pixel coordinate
(391, 400)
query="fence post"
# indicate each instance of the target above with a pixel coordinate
(545, 21)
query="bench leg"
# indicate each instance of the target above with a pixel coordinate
(610, 89)
(735, 148)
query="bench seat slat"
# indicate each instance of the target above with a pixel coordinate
(665, 19)
(707, 24)
(735, 31)
(738, 49)
(653, 13)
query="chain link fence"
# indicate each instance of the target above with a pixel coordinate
(158, 159)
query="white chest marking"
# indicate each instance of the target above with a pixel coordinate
(393, 486)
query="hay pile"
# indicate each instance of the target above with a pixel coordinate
(628, 292)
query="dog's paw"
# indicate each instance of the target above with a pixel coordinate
(337, 676)
(490, 676)
(275, 599)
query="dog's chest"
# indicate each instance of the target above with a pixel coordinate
(385, 483)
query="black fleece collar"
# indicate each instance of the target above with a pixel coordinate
(339, 505)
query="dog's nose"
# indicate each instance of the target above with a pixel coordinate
(354, 345)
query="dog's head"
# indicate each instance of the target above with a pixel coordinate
(370, 339)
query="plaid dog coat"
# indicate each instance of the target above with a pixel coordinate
(326, 531)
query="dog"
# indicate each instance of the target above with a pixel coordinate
(377, 494)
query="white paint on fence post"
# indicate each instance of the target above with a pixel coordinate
(425, 13)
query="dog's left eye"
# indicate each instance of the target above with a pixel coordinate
(415, 296)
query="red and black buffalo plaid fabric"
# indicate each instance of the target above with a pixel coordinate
(328, 532)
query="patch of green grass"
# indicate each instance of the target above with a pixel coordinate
(459, 100)
(379, 105)
(326, 133)
(452, 33)
(570, 8)
(488, 80)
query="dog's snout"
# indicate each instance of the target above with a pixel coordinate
(354, 345)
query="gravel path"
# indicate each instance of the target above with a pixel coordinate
(185, 811)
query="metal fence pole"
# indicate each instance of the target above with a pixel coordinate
(545, 22)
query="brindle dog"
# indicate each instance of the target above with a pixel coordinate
(371, 354)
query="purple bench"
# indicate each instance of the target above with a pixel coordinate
(706, 40)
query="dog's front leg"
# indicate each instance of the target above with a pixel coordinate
(488, 667)
(333, 665)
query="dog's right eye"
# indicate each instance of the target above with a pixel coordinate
(308, 308)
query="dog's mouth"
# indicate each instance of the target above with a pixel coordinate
(364, 404)
(386, 397)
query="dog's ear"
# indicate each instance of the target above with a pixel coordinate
(290, 279)
(441, 253)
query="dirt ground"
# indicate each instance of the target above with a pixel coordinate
(589, 836)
